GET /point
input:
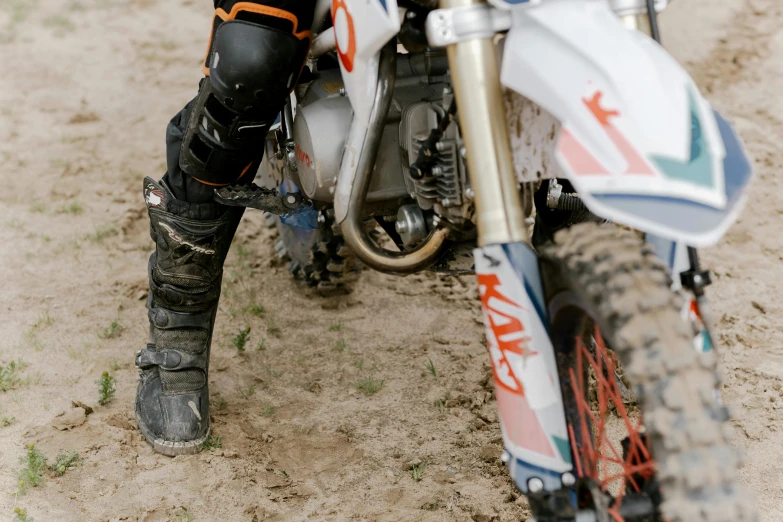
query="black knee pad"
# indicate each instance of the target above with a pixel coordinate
(252, 69)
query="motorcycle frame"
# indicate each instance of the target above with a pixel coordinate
(509, 278)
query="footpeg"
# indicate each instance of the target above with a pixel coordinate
(253, 196)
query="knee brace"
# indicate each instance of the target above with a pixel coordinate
(252, 70)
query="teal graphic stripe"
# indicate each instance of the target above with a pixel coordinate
(698, 169)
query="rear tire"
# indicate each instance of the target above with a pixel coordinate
(318, 257)
(606, 275)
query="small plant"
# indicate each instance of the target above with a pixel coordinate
(31, 472)
(37, 208)
(272, 328)
(101, 233)
(64, 461)
(106, 388)
(45, 319)
(184, 516)
(240, 340)
(213, 442)
(9, 375)
(359, 363)
(340, 345)
(431, 368)
(20, 515)
(59, 23)
(431, 506)
(32, 338)
(113, 330)
(418, 471)
(256, 309)
(74, 208)
(261, 345)
(220, 404)
(268, 410)
(246, 394)
(6, 421)
(369, 386)
(336, 327)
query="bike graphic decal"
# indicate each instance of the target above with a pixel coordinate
(527, 385)
(698, 168)
(345, 33)
(637, 165)
(695, 177)
(690, 314)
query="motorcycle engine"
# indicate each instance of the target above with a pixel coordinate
(421, 98)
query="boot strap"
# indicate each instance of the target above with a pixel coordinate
(168, 319)
(169, 359)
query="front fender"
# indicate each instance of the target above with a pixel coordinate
(637, 140)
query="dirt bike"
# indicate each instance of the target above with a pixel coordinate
(448, 127)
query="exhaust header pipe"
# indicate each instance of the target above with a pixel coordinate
(354, 233)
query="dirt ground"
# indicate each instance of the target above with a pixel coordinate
(86, 91)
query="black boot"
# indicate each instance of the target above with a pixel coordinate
(192, 240)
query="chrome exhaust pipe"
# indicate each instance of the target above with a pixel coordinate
(354, 233)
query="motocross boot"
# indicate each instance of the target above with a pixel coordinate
(185, 271)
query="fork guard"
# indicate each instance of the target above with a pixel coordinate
(637, 140)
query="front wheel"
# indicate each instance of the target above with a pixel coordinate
(616, 328)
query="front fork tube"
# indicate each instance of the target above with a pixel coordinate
(527, 385)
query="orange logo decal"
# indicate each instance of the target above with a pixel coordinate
(303, 156)
(508, 332)
(346, 55)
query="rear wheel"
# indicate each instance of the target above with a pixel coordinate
(319, 257)
(614, 320)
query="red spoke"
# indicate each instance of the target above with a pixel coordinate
(596, 453)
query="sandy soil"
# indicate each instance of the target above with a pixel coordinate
(86, 91)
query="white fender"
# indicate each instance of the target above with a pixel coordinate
(627, 110)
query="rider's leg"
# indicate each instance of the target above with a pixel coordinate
(254, 58)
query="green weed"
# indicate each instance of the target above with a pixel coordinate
(220, 404)
(33, 340)
(101, 233)
(246, 394)
(336, 327)
(113, 330)
(106, 388)
(64, 461)
(268, 410)
(6, 421)
(20, 515)
(74, 208)
(213, 442)
(369, 386)
(359, 363)
(240, 340)
(261, 345)
(431, 368)
(9, 375)
(418, 471)
(31, 472)
(44, 319)
(117, 365)
(340, 345)
(37, 208)
(272, 328)
(256, 309)
(431, 506)
(59, 23)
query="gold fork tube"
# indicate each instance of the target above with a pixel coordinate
(476, 78)
(639, 22)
